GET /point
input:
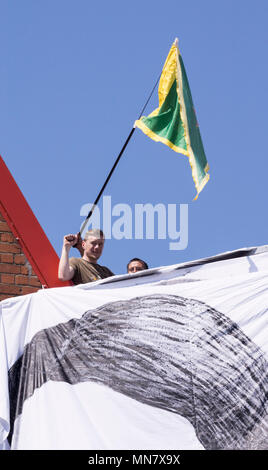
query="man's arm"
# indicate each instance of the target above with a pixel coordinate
(66, 272)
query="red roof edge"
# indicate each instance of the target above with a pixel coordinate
(27, 230)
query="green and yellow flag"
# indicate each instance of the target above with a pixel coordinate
(174, 122)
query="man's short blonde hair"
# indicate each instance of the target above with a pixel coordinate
(94, 232)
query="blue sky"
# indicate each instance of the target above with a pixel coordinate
(74, 76)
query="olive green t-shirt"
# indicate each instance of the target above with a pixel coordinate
(84, 271)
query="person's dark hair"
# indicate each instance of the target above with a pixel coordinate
(145, 265)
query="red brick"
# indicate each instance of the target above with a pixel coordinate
(20, 259)
(7, 237)
(27, 280)
(24, 280)
(9, 248)
(28, 290)
(8, 278)
(36, 282)
(6, 258)
(9, 268)
(24, 270)
(4, 227)
(10, 289)
(27, 270)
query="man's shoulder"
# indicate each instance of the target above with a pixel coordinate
(75, 261)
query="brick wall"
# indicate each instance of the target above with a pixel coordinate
(16, 274)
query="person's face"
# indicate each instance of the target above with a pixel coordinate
(135, 266)
(93, 247)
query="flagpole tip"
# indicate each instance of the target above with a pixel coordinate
(176, 42)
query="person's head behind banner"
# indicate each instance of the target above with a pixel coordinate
(135, 265)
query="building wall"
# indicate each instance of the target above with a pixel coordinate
(16, 274)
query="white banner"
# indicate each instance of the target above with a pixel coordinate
(169, 358)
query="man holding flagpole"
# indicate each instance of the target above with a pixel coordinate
(174, 124)
(85, 269)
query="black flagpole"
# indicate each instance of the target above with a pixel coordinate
(116, 162)
(107, 180)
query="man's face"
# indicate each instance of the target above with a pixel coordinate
(135, 266)
(93, 247)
